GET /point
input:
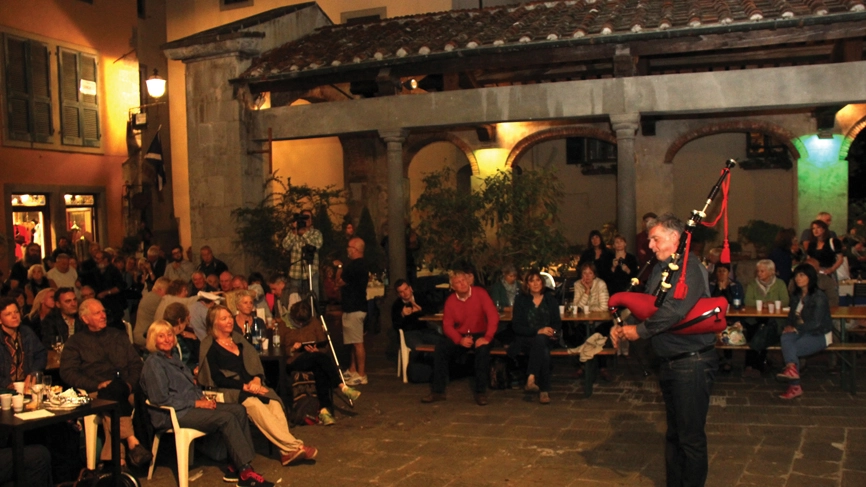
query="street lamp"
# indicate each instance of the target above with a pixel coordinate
(155, 85)
(156, 89)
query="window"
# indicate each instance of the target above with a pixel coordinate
(230, 4)
(28, 89)
(765, 152)
(366, 15)
(79, 113)
(581, 150)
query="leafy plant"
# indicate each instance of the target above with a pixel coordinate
(262, 228)
(761, 234)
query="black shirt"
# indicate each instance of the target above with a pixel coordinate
(413, 321)
(354, 292)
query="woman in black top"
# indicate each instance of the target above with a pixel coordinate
(598, 254)
(623, 267)
(536, 324)
(825, 249)
(230, 363)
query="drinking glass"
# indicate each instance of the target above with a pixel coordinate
(36, 388)
(46, 386)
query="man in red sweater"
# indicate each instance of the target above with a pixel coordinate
(469, 322)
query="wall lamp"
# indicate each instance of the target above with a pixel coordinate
(156, 90)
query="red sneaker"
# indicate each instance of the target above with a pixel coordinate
(792, 392)
(310, 452)
(788, 373)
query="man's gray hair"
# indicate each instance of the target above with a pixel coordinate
(767, 264)
(669, 222)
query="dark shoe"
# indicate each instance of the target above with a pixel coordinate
(230, 475)
(605, 375)
(139, 456)
(249, 478)
(433, 397)
(481, 399)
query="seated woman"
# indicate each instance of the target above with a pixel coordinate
(721, 284)
(230, 363)
(167, 382)
(768, 288)
(36, 281)
(504, 291)
(809, 329)
(21, 351)
(43, 304)
(302, 345)
(246, 317)
(827, 250)
(592, 292)
(536, 324)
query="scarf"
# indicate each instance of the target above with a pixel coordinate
(765, 288)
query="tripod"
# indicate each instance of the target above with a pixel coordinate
(313, 306)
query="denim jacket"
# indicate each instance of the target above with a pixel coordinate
(167, 382)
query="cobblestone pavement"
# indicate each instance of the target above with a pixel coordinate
(613, 438)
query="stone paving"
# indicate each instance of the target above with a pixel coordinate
(613, 438)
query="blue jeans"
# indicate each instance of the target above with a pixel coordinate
(796, 345)
(686, 384)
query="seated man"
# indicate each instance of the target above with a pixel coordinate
(101, 361)
(179, 268)
(147, 310)
(63, 322)
(469, 322)
(198, 283)
(406, 313)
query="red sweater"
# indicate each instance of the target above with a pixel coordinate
(475, 315)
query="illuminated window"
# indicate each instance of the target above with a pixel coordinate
(79, 114)
(28, 90)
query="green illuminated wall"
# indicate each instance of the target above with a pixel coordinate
(822, 181)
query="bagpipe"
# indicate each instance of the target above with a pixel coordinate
(708, 314)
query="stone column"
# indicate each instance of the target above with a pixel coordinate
(396, 203)
(625, 125)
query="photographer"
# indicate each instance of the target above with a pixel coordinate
(301, 235)
(623, 267)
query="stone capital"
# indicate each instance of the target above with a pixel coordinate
(625, 124)
(394, 135)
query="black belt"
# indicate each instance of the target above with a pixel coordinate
(688, 354)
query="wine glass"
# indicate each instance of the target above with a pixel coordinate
(36, 388)
(46, 383)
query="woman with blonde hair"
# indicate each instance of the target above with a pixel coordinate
(36, 281)
(230, 363)
(43, 303)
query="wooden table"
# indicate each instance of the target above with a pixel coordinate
(17, 427)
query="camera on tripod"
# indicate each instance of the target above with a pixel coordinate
(308, 253)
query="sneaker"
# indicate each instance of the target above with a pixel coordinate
(788, 373)
(349, 374)
(310, 452)
(249, 478)
(351, 394)
(326, 418)
(357, 380)
(544, 398)
(230, 475)
(792, 392)
(287, 458)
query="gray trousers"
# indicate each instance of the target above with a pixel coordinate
(230, 420)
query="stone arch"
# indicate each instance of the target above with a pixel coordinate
(766, 128)
(414, 144)
(556, 133)
(852, 134)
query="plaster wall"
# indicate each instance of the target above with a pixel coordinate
(105, 28)
(430, 159)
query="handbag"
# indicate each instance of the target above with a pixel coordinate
(766, 336)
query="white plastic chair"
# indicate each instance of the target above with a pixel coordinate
(403, 358)
(91, 427)
(128, 327)
(183, 438)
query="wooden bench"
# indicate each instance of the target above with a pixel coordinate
(590, 367)
(847, 352)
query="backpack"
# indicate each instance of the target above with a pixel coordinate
(305, 402)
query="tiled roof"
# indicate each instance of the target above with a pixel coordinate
(534, 24)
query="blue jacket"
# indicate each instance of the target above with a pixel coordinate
(35, 355)
(167, 382)
(815, 313)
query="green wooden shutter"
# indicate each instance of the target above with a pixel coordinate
(28, 90)
(70, 108)
(89, 103)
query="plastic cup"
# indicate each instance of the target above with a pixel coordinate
(19, 387)
(6, 401)
(18, 403)
(778, 304)
(265, 344)
(586, 310)
(771, 307)
(759, 305)
(562, 311)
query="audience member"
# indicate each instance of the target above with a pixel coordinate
(88, 265)
(809, 329)
(786, 254)
(167, 382)
(177, 315)
(406, 313)
(769, 289)
(590, 291)
(18, 273)
(36, 281)
(198, 283)
(210, 264)
(623, 266)
(63, 247)
(722, 284)
(825, 248)
(352, 280)
(301, 235)
(156, 261)
(469, 322)
(63, 322)
(198, 313)
(87, 292)
(644, 254)
(108, 284)
(232, 364)
(806, 236)
(505, 289)
(246, 318)
(213, 282)
(175, 292)
(101, 360)
(537, 325)
(281, 298)
(63, 275)
(825, 283)
(308, 351)
(226, 279)
(21, 353)
(598, 254)
(147, 310)
(179, 268)
(43, 304)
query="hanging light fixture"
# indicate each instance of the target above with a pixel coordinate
(155, 85)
